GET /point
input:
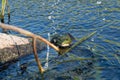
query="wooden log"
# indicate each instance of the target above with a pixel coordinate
(34, 37)
(13, 47)
(27, 33)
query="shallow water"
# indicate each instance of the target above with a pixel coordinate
(78, 17)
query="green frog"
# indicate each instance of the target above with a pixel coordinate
(62, 41)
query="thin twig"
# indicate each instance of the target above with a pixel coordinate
(36, 56)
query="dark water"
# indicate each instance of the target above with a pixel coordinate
(78, 17)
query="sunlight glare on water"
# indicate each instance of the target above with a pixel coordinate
(99, 2)
(48, 52)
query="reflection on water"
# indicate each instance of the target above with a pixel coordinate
(77, 17)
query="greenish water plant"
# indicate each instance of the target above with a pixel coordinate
(4, 5)
(2, 13)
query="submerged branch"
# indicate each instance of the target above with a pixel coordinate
(75, 59)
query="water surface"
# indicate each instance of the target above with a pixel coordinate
(78, 17)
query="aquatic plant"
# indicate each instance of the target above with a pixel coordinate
(2, 13)
(3, 7)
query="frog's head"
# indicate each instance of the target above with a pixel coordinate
(67, 40)
(62, 41)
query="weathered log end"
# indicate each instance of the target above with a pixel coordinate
(13, 47)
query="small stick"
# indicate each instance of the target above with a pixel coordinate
(36, 56)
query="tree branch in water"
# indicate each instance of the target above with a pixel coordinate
(30, 34)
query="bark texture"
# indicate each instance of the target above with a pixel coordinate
(13, 47)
